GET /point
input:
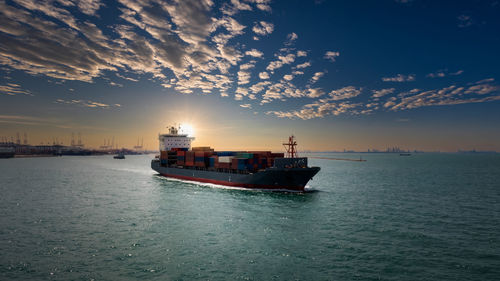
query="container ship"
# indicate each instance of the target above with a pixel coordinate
(245, 169)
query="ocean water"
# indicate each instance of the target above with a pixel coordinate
(423, 217)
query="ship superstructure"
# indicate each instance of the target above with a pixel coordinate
(174, 140)
(247, 169)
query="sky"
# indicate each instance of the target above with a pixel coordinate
(245, 74)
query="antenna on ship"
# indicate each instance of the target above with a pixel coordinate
(291, 152)
(172, 130)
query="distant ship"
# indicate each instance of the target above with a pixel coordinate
(246, 169)
(7, 151)
(119, 156)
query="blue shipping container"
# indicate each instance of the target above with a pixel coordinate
(225, 153)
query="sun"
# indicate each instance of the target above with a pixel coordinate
(187, 129)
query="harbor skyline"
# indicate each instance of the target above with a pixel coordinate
(344, 75)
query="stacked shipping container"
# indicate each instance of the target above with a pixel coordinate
(205, 157)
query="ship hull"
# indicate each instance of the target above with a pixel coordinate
(7, 155)
(294, 179)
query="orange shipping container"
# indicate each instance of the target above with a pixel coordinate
(163, 154)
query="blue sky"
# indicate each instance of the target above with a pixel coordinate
(339, 74)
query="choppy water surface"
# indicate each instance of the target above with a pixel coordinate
(423, 217)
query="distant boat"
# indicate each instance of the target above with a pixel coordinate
(119, 156)
(404, 154)
(7, 151)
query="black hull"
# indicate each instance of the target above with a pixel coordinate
(7, 155)
(294, 179)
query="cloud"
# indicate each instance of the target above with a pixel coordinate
(331, 55)
(89, 7)
(400, 78)
(303, 65)
(290, 38)
(50, 50)
(315, 92)
(32, 121)
(259, 87)
(482, 87)
(345, 93)
(481, 91)
(177, 39)
(301, 53)
(444, 73)
(316, 77)
(247, 66)
(86, 103)
(281, 90)
(115, 84)
(247, 105)
(243, 77)
(339, 102)
(237, 5)
(318, 110)
(331, 105)
(382, 92)
(263, 28)
(191, 19)
(282, 60)
(126, 78)
(262, 4)
(263, 75)
(254, 53)
(12, 89)
(464, 21)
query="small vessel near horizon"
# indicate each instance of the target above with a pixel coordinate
(120, 155)
(245, 169)
(7, 151)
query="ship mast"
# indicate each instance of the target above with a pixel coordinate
(291, 151)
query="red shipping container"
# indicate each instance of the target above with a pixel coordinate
(181, 153)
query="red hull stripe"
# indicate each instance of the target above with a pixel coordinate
(235, 184)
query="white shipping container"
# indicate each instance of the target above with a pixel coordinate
(225, 159)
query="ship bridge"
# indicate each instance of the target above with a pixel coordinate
(174, 140)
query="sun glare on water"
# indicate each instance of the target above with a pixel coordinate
(187, 129)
